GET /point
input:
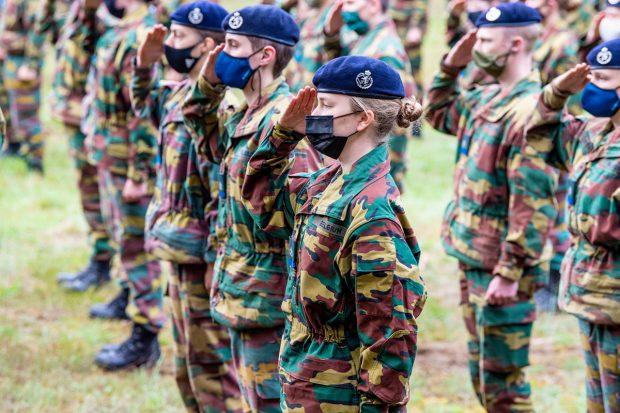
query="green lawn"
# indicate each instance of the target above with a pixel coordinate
(47, 342)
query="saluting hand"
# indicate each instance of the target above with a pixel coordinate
(574, 80)
(92, 4)
(208, 69)
(460, 54)
(334, 19)
(152, 47)
(457, 7)
(294, 116)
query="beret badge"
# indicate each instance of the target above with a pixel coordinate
(604, 56)
(195, 16)
(493, 14)
(235, 21)
(364, 80)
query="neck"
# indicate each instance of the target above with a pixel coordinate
(355, 149)
(195, 72)
(514, 73)
(615, 119)
(262, 78)
(376, 19)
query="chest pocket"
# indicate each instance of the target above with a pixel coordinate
(321, 288)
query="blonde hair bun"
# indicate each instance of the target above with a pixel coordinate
(410, 111)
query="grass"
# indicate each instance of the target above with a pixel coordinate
(47, 342)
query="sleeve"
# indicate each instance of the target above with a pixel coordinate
(389, 296)
(202, 120)
(43, 27)
(142, 134)
(332, 48)
(419, 14)
(552, 131)
(2, 128)
(269, 194)
(444, 101)
(146, 95)
(532, 209)
(84, 35)
(454, 29)
(209, 179)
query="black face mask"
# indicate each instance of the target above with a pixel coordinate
(114, 11)
(320, 133)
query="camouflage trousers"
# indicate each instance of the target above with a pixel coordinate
(498, 344)
(255, 356)
(205, 374)
(126, 228)
(24, 102)
(88, 186)
(601, 347)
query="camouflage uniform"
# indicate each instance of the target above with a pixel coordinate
(2, 128)
(24, 97)
(382, 43)
(347, 345)
(50, 21)
(308, 51)
(179, 229)
(408, 14)
(68, 90)
(123, 146)
(250, 268)
(589, 150)
(496, 225)
(578, 15)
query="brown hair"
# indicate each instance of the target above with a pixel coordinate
(389, 112)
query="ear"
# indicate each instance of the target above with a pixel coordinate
(518, 44)
(207, 45)
(267, 56)
(368, 118)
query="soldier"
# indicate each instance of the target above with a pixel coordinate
(588, 148)
(26, 137)
(184, 207)
(309, 56)
(410, 17)
(347, 345)
(250, 268)
(503, 207)
(462, 17)
(124, 149)
(377, 38)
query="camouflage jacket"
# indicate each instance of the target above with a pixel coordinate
(309, 50)
(49, 23)
(589, 149)
(354, 289)
(181, 216)
(2, 128)
(503, 205)
(555, 52)
(119, 140)
(408, 14)
(18, 19)
(250, 269)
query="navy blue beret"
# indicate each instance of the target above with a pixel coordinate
(359, 76)
(509, 15)
(613, 3)
(201, 15)
(267, 22)
(605, 56)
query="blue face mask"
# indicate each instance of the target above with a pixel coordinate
(602, 103)
(234, 71)
(114, 11)
(181, 60)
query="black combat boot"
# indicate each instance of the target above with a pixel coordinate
(95, 275)
(140, 349)
(114, 309)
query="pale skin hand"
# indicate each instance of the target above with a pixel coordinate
(460, 54)
(501, 291)
(594, 34)
(414, 37)
(152, 48)
(334, 20)
(134, 191)
(574, 80)
(27, 74)
(208, 69)
(294, 116)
